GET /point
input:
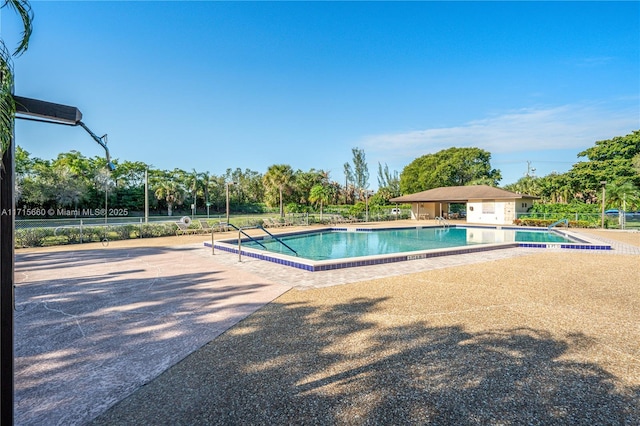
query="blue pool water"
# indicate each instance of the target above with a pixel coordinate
(336, 244)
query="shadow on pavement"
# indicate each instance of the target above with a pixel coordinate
(300, 364)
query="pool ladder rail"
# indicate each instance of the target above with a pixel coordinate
(442, 221)
(565, 221)
(241, 232)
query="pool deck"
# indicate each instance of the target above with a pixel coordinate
(577, 242)
(94, 325)
(302, 279)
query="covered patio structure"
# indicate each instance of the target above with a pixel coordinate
(484, 204)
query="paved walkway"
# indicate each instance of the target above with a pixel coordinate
(92, 326)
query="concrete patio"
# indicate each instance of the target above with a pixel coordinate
(92, 326)
(128, 333)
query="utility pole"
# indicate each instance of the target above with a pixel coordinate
(604, 185)
(530, 170)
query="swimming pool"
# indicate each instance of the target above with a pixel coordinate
(338, 244)
(334, 248)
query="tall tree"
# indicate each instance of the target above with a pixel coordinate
(360, 170)
(320, 194)
(449, 167)
(217, 192)
(130, 174)
(609, 161)
(24, 162)
(529, 185)
(195, 184)
(304, 181)
(277, 180)
(249, 185)
(104, 181)
(625, 196)
(348, 177)
(252, 187)
(388, 183)
(171, 192)
(23, 168)
(554, 188)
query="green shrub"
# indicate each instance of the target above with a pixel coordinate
(253, 222)
(358, 209)
(72, 234)
(32, 237)
(528, 221)
(92, 233)
(158, 229)
(123, 232)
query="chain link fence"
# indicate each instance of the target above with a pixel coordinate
(55, 231)
(39, 232)
(628, 220)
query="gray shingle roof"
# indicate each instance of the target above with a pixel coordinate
(460, 194)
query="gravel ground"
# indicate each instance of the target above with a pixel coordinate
(546, 338)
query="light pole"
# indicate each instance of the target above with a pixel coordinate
(146, 195)
(604, 184)
(227, 192)
(34, 110)
(366, 203)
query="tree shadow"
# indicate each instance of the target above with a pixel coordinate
(95, 327)
(302, 364)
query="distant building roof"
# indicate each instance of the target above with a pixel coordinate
(460, 194)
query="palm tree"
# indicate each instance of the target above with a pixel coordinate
(171, 193)
(195, 184)
(348, 177)
(69, 188)
(278, 178)
(320, 194)
(7, 103)
(625, 196)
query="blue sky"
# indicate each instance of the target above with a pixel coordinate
(216, 85)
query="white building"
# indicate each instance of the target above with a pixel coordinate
(484, 204)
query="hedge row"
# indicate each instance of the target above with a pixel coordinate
(39, 237)
(546, 222)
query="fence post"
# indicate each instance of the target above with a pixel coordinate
(140, 227)
(81, 240)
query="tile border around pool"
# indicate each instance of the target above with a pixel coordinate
(230, 246)
(327, 265)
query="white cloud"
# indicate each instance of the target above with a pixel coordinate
(595, 61)
(533, 129)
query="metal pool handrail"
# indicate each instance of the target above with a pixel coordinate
(241, 231)
(565, 221)
(441, 220)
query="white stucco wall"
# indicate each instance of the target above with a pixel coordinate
(523, 205)
(492, 212)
